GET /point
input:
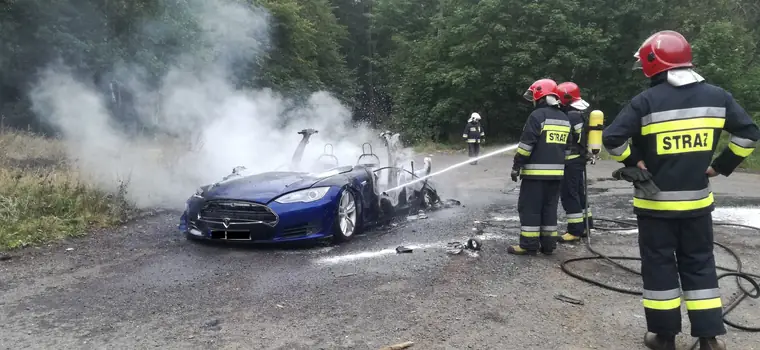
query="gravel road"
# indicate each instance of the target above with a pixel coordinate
(144, 286)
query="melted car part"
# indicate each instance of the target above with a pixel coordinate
(371, 154)
(330, 156)
(298, 154)
(401, 249)
(474, 244)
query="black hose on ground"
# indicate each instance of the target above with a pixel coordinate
(737, 273)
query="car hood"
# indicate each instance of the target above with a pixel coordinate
(262, 187)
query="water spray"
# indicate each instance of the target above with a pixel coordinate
(423, 178)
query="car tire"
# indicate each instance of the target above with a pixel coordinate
(344, 217)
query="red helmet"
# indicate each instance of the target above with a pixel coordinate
(570, 94)
(663, 51)
(541, 88)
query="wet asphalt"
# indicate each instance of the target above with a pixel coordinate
(145, 286)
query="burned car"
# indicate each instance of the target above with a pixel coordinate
(336, 202)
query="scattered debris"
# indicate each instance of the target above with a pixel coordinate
(421, 215)
(279, 306)
(213, 324)
(451, 203)
(398, 346)
(4, 257)
(349, 274)
(567, 299)
(401, 249)
(478, 227)
(69, 249)
(456, 248)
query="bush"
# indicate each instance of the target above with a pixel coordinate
(42, 199)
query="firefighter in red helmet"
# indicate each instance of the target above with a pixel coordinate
(540, 163)
(674, 127)
(572, 194)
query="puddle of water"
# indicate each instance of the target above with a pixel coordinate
(739, 215)
(331, 260)
(368, 255)
(501, 218)
(621, 232)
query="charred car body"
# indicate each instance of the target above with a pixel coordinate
(282, 206)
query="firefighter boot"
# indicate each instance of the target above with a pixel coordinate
(657, 342)
(545, 251)
(567, 237)
(516, 250)
(711, 344)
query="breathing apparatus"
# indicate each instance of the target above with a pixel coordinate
(595, 126)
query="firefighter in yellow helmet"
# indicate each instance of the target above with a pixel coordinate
(668, 134)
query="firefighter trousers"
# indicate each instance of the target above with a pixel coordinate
(673, 248)
(473, 150)
(537, 207)
(573, 198)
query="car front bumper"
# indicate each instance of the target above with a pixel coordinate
(295, 222)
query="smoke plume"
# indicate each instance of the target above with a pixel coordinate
(209, 125)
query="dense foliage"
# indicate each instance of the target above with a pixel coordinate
(419, 65)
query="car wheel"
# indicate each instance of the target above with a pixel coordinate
(347, 217)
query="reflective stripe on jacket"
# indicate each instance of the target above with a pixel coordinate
(675, 131)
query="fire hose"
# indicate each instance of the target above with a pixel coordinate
(737, 272)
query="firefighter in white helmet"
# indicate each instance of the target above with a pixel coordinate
(474, 135)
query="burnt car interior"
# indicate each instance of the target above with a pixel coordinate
(327, 160)
(368, 159)
(384, 177)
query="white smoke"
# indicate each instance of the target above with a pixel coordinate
(216, 125)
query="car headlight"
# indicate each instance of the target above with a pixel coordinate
(304, 196)
(199, 193)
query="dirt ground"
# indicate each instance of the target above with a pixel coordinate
(145, 286)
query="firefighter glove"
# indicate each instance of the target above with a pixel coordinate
(640, 178)
(515, 174)
(631, 174)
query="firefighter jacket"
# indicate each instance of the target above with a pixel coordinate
(675, 130)
(576, 151)
(545, 137)
(473, 132)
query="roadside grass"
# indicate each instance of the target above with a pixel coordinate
(43, 199)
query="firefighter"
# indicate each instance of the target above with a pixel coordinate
(674, 127)
(572, 193)
(474, 135)
(539, 162)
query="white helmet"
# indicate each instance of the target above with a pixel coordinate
(475, 117)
